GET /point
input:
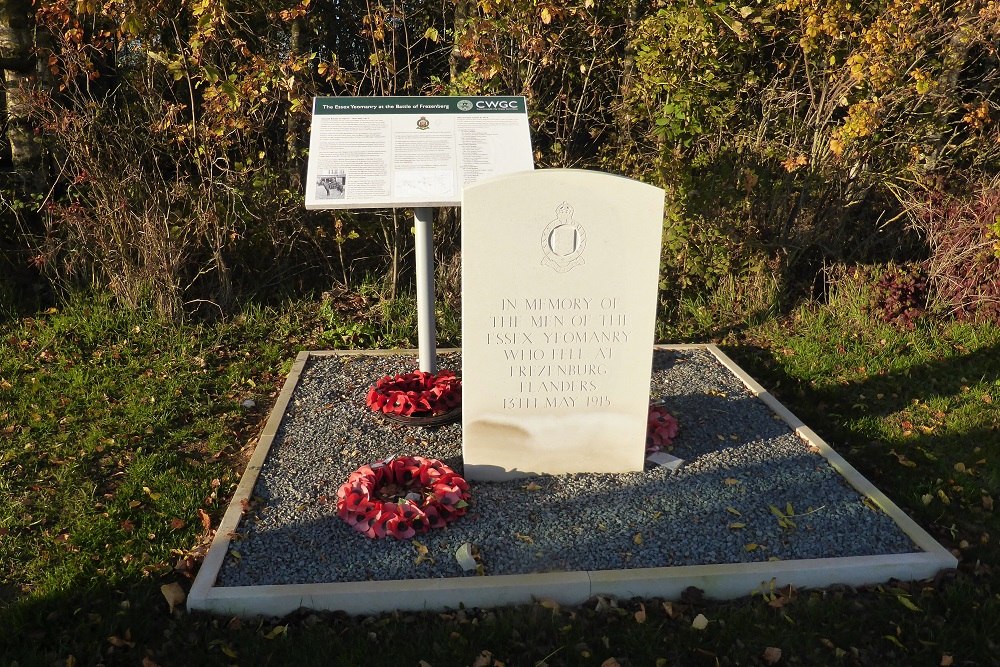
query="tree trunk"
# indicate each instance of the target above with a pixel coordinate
(293, 126)
(456, 63)
(16, 56)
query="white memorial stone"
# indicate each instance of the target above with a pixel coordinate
(559, 278)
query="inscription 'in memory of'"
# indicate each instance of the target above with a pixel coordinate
(557, 350)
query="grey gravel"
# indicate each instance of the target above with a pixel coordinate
(741, 463)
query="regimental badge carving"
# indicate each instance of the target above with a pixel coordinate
(423, 123)
(563, 240)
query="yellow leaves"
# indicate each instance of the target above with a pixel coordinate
(423, 554)
(532, 486)
(794, 162)
(546, 15)
(431, 34)
(908, 603)
(700, 622)
(276, 632)
(923, 81)
(637, 539)
(978, 115)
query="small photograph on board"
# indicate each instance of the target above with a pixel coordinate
(332, 184)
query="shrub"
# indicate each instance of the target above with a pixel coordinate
(900, 294)
(963, 232)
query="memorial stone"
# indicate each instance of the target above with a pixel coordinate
(559, 279)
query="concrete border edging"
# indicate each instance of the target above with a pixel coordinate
(720, 581)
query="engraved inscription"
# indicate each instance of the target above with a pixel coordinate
(557, 350)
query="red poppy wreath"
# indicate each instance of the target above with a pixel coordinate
(661, 429)
(416, 394)
(402, 497)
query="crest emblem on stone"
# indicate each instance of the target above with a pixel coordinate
(423, 123)
(563, 240)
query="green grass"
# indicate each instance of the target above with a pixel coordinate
(115, 431)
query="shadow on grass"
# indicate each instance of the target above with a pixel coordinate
(913, 466)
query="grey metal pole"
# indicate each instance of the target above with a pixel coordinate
(423, 218)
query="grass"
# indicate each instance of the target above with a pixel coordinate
(118, 434)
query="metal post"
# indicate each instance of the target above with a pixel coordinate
(423, 218)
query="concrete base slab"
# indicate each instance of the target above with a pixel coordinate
(719, 581)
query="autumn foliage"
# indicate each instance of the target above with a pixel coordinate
(787, 133)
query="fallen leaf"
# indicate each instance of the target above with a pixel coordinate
(960, 467)
(987, 503)
(177, 524)
(946, 660)
(699, 622)
(611, 662)
(772, 654)
(731, 481)
(733, 510)
(118, 642)
(276, 632)
(483, 659)
(737, 525)
(908, 603)
(640, 616)
(750, 547)
(152, 495)
(671, 612)
(423, 554)
(206, 521)
(637, 539)
(549, 604)
(149, 662)
(532, 486)
(546, 16)
(173, 594)
(926, 499)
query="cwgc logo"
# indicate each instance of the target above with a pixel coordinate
(464, 105)
(563, 240)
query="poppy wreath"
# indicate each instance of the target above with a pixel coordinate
(416, 394)
(402, 497)
(661, 429)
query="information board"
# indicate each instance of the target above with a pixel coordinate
(373, 152)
